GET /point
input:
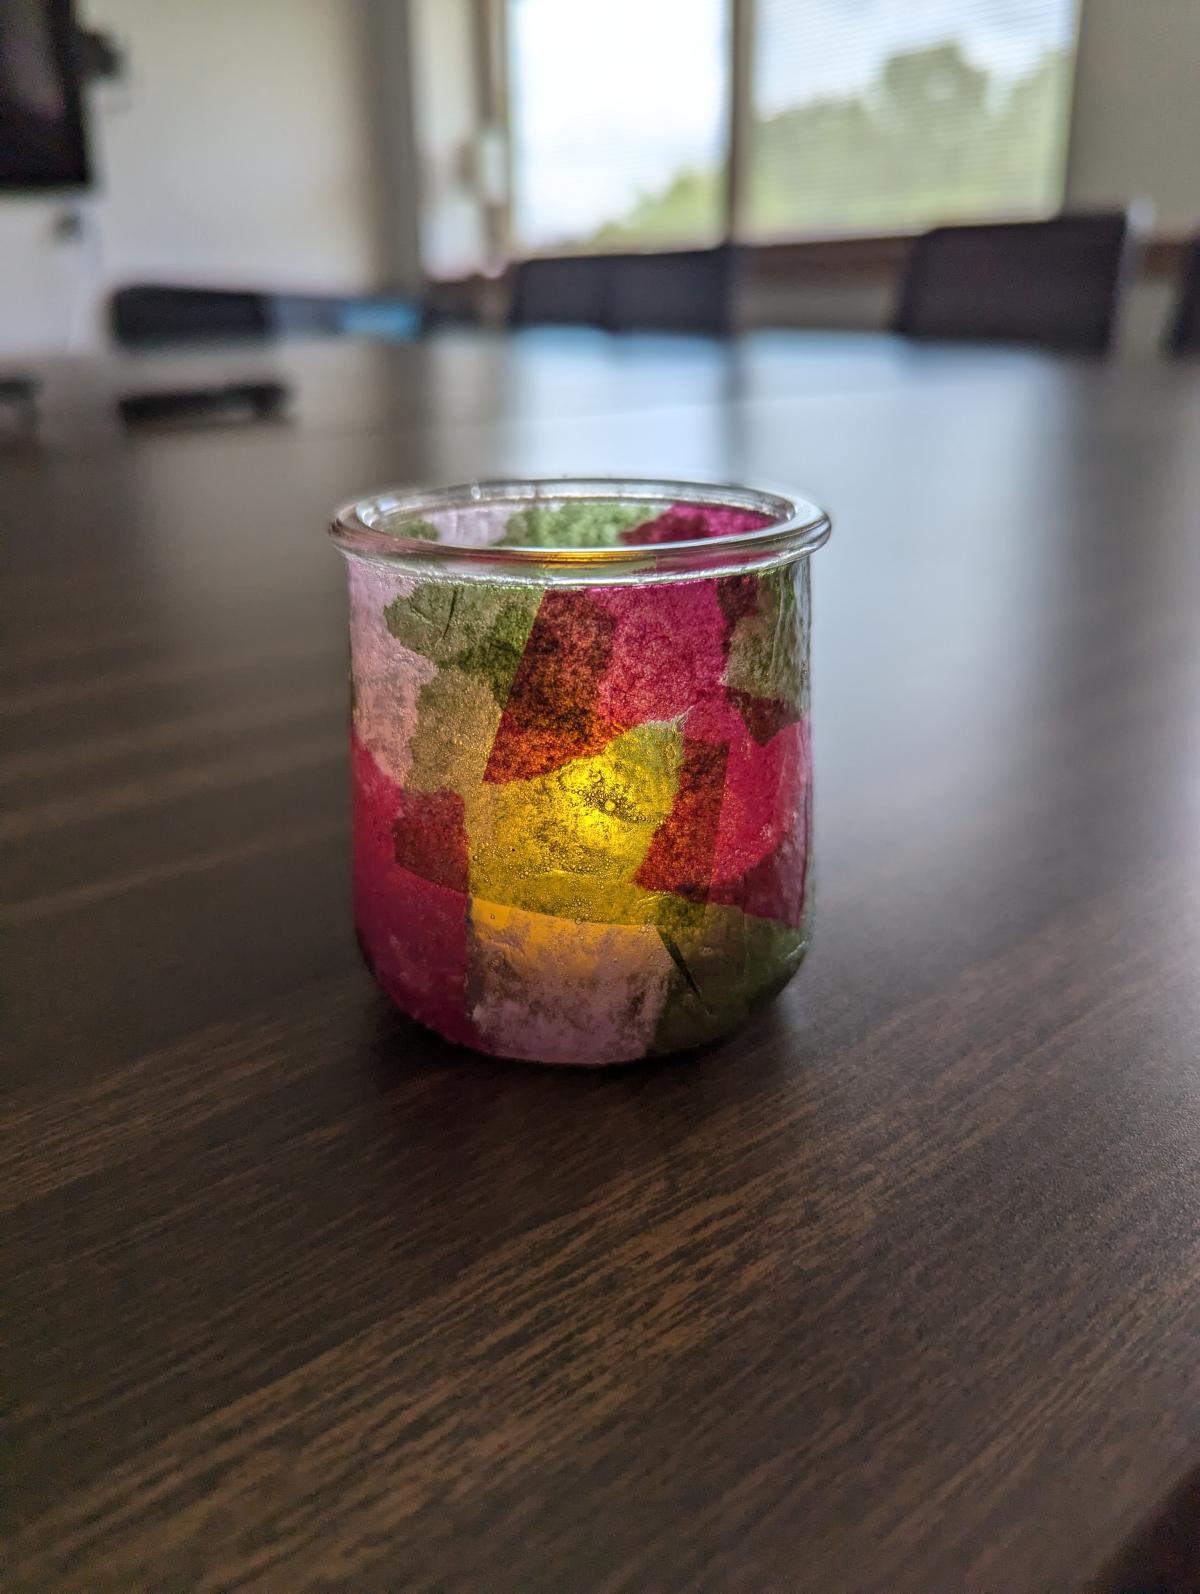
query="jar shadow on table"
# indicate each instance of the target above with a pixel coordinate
(576, 1128)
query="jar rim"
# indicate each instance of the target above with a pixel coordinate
(797, 527)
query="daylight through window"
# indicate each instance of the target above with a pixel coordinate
(863, 116)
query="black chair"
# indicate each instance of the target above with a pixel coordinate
(688, 290)
(1184, 334)
(149, 314)
(1054, 283)
(572, 291)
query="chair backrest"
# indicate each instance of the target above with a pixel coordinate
(144, 313)
(150, 314)
(566, 291)
(1056, 283)
(678, 291)
(1184, 334)
(685, 291)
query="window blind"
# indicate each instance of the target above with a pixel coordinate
(887, 115)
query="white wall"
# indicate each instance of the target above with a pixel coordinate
(1135, 124)
(39, 281)
(238, 149)
(388, 40)
(446, 108)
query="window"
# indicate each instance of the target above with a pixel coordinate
(618, 122)
(856, 116)
(888, 115)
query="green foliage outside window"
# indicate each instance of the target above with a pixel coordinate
(932, 139)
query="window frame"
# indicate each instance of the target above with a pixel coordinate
(774, 253)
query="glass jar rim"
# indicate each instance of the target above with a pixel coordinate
(797, 527)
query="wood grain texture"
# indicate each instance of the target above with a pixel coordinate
(897, 1290)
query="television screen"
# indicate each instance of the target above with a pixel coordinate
(42, 142)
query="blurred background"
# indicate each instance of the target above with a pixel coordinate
(400, 155)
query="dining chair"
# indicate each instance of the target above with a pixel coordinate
(1054, 283)
(682, 290)
(154, 313)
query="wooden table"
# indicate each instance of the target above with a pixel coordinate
(898, 1290)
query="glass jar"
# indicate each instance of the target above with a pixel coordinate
(581, 758)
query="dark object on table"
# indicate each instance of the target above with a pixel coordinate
(148, 314)
(233, 401)
(1054, 283)
(1184, 335)
(688, 290)
(184, 315)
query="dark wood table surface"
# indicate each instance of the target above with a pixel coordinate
(898, 1290)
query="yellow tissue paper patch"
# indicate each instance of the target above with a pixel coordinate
(569, 843)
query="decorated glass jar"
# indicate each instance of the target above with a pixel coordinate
(582, 780)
